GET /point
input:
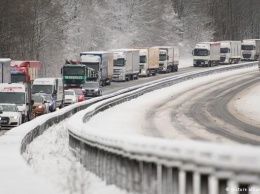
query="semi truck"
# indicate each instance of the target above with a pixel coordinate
(250, 49)
(19, 94)
(126, 64)
(230, 51)
(166, 59)
(5, 71)
(102, 64)
(206, 54)
(24, 71)
(75, 74)
(149, 61)
(53, 86)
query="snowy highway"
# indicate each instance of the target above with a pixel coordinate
(199, 109)
(172, 113)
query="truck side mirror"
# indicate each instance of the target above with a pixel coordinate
(32, 102)
(167, 57)
(193, 52)
(61, 71)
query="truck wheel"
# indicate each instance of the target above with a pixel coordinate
(209, 64)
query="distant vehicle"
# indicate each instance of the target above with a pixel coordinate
(24, 71)
(126, 64)
(206, 54)
(250, 49)
(102, 64)
(75, 74)
(50, 100)
(10, 116)
(79, 92)
(40, 105)
(92, 89)
(167, 63)
(70, 97)
(19, 94)
(230, 51)
(149, 61)
(53, 86)
(5, 73)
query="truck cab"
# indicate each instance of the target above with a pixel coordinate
(53, 86)
(121, 72)
(163, 57)
(17, 93)
(206, 54)
(102, 64)
(249, 50)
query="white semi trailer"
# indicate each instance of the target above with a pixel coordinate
(149, 61)
(250, 49)
(230, 51)
(166, 59)
(206, 54)
(126, 64)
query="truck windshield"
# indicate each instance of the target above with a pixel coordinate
(42, 89)
(163, 57)
(224, 50)
(74, 70)
(142, 59)
(201, 52)
(17, 78)
(94, 66)
(119, 62)
(247, 47)
(12, 97)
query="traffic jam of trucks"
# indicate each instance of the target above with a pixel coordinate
(25, 95)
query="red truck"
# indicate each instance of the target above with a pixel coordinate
(25, 72)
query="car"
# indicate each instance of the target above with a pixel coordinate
(40, 105)
(70, 97)
(50, 100)
(92, 89)
(10, 116)
(79, 92)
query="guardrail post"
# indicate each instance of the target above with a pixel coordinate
(213, 185)
(159, 179)
(182, 182)
(196, 183)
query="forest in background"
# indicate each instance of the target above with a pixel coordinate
(54, 30)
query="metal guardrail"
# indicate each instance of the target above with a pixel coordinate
(154, 166)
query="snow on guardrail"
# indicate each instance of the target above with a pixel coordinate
(239, 164)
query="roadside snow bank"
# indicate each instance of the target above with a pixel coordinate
(247, 105)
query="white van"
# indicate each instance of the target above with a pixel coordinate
(53, 86)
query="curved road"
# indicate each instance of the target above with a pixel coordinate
(202, 113)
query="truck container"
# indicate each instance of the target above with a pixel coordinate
(149, 61)
(166, 59)
(24, 71)
(206, 54)
(126, 64)
(176, 57)
(250, 49)
(230, 51)
(53, 86)
(75, 74)
(19, 94)
(102, 63)
(5, 70)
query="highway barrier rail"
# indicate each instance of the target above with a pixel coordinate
(150, 166)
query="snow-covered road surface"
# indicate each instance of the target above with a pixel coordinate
(49, 154)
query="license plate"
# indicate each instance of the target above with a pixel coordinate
(3, 121)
